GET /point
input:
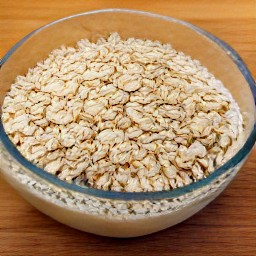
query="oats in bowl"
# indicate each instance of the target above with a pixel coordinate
(125, 115)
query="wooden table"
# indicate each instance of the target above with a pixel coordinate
(225, 227)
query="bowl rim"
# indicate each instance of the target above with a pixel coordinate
(156, 195)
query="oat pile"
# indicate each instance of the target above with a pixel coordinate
(125, 115)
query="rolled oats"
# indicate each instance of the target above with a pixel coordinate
(125, 115)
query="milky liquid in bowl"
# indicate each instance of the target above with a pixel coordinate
(113, 213)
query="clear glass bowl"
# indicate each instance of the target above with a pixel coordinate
(120, 214)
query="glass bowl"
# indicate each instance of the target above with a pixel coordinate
(120, 214)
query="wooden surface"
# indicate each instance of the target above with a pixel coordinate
(225, 227)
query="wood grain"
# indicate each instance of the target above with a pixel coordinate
(226, 226)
